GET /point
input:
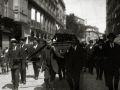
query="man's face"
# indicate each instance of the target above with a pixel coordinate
(21, 42)
(13, 44)
(35, 42)
(111, 39)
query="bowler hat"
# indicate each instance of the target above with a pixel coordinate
(13, 40)
(111, 35)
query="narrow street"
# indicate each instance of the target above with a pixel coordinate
(88, 82)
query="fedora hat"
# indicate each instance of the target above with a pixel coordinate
(111, 35)
(100, 40)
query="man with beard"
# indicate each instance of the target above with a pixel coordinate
(49, 64)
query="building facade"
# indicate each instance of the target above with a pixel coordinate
(113, 16)
(31, 18)
(92, 33)
(81, 27)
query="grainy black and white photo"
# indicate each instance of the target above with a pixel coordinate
(59, 44)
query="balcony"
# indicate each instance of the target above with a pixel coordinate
(44, 7)
(8, 12)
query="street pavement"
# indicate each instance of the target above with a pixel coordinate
(87, 82)
(32, 84)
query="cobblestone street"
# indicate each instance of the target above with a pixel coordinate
(88, 82)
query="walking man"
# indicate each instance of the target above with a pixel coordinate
(112, 62)
(74, 64)
(49, 63)
(36, 58)
(24, 54)
(99, 61)
(15, 63)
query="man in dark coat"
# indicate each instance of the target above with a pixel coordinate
(24, 54)
(49, 64)
(74, 64)
(36, 58)
(112, 62)
(90, 60)
(99, 59)
(15, 63)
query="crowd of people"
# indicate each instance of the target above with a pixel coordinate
(104, 56)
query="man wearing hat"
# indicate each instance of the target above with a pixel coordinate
(112, 62)
(24, 54)
(90, 61)
(99, 59)
(15, 63)
(36, 58)
(74, 64)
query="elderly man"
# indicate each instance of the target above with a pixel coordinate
(49, 60)
(112, 62)
(15, 63)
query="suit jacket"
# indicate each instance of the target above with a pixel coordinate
(24, 54)
(53, 55)
(99, 55)
(112, 55)
(75, 59)
(15, 58)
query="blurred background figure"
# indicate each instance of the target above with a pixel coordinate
(6, 57)
(90, 60)
(98, 53)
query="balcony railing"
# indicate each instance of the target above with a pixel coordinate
(43, 6)
(8, 12)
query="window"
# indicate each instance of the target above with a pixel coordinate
(33, 14)
(38, 17)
